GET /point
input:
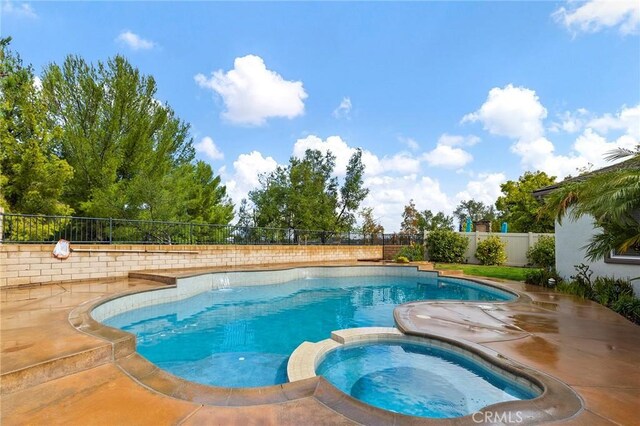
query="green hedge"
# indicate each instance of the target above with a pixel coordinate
(491, 251)
(414, 252)
(447, 246)
(543, 253)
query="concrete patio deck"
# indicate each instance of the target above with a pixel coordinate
(51, 373)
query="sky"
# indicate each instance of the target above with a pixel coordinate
(447, 99)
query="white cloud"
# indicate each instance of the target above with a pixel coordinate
(514, 112)
(539, 154)
(389, 194)
(627, 119)
(252, 93)
(37, 83)
(445, 154)
(486, 188)
(570, 122)
(448, 157)
(457, 140)
(596, 15)
(399, 163)
(411, 143)
(209, 148)
(18, 9)
(344, 109)
(518, 114)
(134, 41)
(247, 169)
(593, 147)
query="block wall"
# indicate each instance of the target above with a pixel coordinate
(28, 264)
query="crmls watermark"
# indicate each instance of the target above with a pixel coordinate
(493, 417)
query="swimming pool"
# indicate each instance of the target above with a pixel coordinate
(242, 336)
(419, 379)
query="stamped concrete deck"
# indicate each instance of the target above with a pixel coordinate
(51, 373)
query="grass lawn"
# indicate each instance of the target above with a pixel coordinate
(505, 272)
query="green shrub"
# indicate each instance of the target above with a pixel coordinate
(628, 306)
(414, 252)
(543, 253)
(541, 277)
(444, 245)
(534, 276)
(580, 284)
(607, 290)
(615, 293)
(491, 251)
(575, 288)
(401, 259)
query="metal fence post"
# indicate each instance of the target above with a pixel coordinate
(110, 230)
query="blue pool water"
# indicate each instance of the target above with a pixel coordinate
(418, 380)
(243, 336)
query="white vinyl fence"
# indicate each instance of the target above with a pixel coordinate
(517, 245)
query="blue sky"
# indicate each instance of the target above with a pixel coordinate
(448, 99)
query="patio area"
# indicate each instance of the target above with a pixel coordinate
(52, 373)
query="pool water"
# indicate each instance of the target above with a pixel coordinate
(418, 380)
(243, 336)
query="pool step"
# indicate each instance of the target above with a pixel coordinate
(450, 272)
(55, 368)
(105, 345)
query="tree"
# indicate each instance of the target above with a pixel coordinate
(410, 219)
(611, 197)
(476, 210)
(370, 226)
(416, 222)
(427, 221)
(306, 195)
(198, 195)
(245, 216)
(132, 157)
(32, 177)
(520, 209)
(352, 192)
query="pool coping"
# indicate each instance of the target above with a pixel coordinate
(557, 402)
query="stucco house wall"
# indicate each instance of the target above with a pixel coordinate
(571, 237)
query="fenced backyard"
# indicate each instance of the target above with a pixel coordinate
(517, 245)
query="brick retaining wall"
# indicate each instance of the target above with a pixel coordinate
(390, 251)
(25, 264)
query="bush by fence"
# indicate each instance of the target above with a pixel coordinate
(413, 252)
(543, 253)
(491, 251)
(516, 245)
(446, 246)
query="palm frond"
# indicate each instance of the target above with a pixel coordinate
(621, 153)
(611, 197)
(612, 237)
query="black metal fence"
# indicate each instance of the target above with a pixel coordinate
(21, 228)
